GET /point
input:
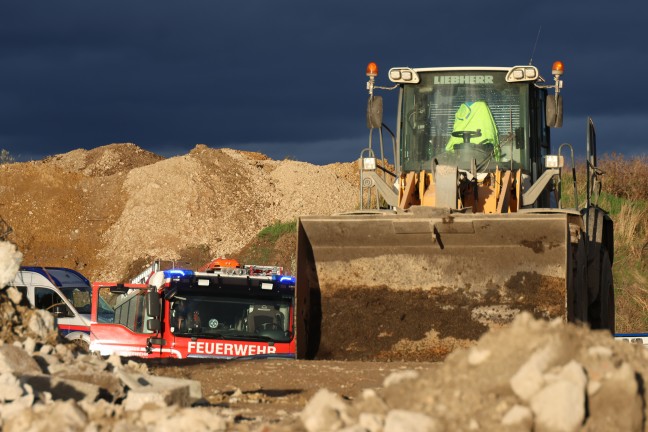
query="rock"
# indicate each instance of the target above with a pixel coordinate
(10, 387)
(18, 406)
(111, 387)
(559, 407)
(371, 422)
(17, 361)
(29, 345)
(15, 296)
(62, 389)
(41, 325)
(400, 376)
(68, 415)
(529, 378)
(100, 409)
(159, 391)
(46, 349)
(411, 421)
(326, 411)
(198, 419)
(10, 258)
(599, 351)
(520, 416)
(574, 372)
(617, 404)
(477, 356)
(62, 350)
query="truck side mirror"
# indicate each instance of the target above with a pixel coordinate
(152, 304)
(118, 289)
(374, 112)
(154, 325)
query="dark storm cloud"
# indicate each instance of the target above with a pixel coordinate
(286, 78)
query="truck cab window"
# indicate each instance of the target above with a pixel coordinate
(443, 113)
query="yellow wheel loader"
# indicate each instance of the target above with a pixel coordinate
(466, 229)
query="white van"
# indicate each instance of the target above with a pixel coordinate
(65, 293)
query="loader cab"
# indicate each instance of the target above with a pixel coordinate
(474, 118)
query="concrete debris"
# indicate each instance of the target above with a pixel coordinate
(159, 391)
(533, 375)
(326, 411)
(44, 378)
(17, 361)
(10, 258)
(400, 376)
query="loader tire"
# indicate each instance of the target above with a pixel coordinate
(602, 312)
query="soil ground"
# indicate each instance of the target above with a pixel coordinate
(275, 391)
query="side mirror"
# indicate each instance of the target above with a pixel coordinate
(554, 111)
(374, 112)
(118, 289)
(153, 304)
(154, 325)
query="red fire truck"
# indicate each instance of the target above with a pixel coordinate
(229, 312)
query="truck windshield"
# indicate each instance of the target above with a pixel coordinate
(442, 114)
(231, 318)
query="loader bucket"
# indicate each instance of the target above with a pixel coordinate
(417, 285)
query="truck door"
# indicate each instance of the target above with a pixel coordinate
(122, 328)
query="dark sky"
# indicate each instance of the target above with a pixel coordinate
(287, 78)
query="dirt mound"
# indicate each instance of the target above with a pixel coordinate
(102, 210)
(105, 160)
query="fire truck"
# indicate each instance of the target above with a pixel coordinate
(221, 313)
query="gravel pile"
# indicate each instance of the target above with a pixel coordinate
(99, 211)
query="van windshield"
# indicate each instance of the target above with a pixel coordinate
(458, 117)
(81, 298)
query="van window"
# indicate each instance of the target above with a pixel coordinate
(47, 299)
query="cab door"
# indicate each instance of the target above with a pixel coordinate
(122, 328)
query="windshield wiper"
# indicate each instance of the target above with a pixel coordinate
(249, 337)
(200, 335)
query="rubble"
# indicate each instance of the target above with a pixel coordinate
(44, 377)
(530, 376)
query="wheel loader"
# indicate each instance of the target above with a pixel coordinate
(476, 220)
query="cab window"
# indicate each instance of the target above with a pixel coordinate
(128, 309)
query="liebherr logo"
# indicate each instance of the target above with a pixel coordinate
(228, 349)
(464, 79)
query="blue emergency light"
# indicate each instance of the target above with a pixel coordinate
(290, 280)
(178, 273)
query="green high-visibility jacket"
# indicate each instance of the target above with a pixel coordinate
(473, 116)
